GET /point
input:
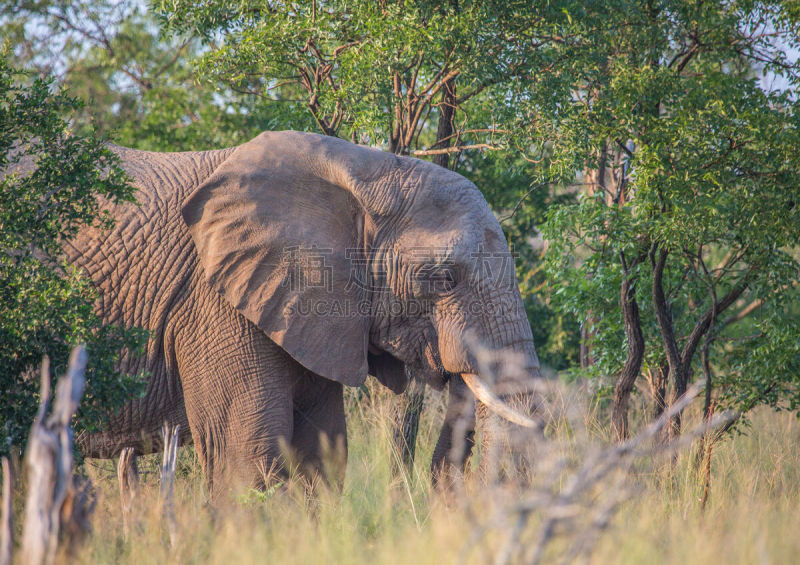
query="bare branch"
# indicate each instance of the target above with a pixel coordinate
(455, 149)
(521, 200)
(128, 477)
(744, 312)
(704, 323)
(170, 436)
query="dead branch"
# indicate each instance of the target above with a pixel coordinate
(56, 508)
(170, 437)
(455, 149)
(6, 521)
(128, 476)
(576, 501)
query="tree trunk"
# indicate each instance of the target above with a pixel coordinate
(677, 369)
(633, 363)
(680, 380)
(680, 363)
(447, 111)
(658, 387)
(587, 335)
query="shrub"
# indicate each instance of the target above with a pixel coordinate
(51, 184)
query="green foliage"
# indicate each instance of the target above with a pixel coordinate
(371, 71)
(53, 182)
(700, 163)
(661, 115)
(140, 83)
(763, 364)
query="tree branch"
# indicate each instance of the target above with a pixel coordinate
(704, 323)
(743, 313)
(455, 149)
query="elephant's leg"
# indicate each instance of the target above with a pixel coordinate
(457, 436)
(319, 439)
(237, 387)
(241, 420)
(138, 423)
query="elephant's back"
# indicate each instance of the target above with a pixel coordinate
(141, 262)
(164, 180)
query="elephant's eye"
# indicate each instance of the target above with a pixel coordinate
(432, 280)
(443, 280)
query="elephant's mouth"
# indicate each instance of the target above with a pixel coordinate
(431, 368)
(483, 393)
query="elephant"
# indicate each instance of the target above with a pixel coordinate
(273, 274)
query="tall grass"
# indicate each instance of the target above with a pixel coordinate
(752, 513)
(751, 516)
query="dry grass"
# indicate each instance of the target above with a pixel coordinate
(751, 516)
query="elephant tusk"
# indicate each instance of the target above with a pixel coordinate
(490, 399)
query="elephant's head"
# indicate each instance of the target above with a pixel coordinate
(355, 260)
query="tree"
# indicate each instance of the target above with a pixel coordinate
(52, 183)
(374, 72)
(690, 213)
(140, 82)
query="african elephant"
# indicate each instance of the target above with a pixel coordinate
(272, 274)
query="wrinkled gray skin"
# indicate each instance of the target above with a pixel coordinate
(205, 263)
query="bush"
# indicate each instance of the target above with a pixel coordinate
(51, 184)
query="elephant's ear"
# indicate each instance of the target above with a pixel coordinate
(276, 240)
(391, 372)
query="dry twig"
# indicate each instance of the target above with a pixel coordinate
(577, 506)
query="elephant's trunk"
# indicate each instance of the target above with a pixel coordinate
(494, 403)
